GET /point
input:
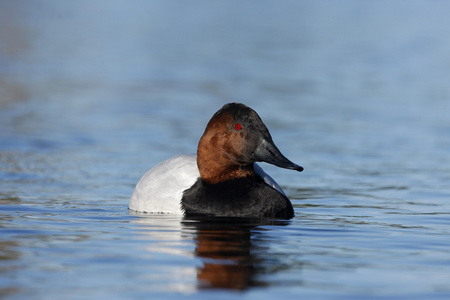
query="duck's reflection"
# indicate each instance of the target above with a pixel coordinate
(225, 249)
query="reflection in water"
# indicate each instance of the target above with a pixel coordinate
(225, 253)
(225, 249)
(9, 255)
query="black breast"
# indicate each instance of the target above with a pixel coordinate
(243, 197)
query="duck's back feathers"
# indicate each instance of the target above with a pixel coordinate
(161, 188)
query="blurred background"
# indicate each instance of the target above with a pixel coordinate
(94, 93)
(349, 77)
(340, 85)
(121, 72)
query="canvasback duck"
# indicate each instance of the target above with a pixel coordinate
(222, 180)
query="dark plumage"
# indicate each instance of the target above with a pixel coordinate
(248, 197)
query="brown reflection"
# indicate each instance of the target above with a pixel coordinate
(226, 251)
(226, 256)
(9, 256)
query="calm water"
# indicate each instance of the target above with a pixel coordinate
(94, 93)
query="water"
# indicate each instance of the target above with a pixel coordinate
(94, 93)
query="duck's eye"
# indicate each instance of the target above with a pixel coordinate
(238, 126)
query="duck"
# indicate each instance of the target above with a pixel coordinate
(223, 178)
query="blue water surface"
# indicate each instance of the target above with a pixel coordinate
(94, 93)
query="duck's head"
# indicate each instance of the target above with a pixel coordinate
(233, 140)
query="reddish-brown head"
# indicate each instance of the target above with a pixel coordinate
(233, 140)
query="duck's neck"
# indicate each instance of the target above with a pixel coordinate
(216, 165)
